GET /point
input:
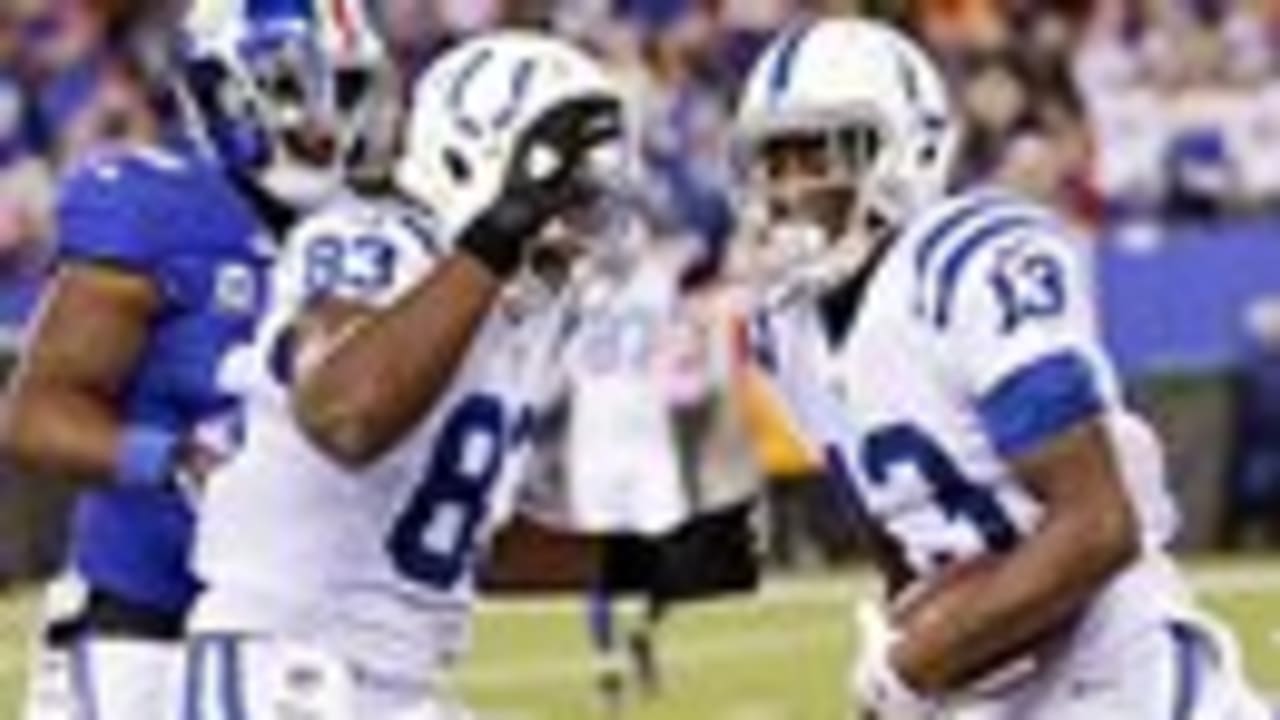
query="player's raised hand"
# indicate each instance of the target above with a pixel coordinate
(548, 174)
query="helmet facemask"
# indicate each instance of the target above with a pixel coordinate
(814, 192)
(286, 111)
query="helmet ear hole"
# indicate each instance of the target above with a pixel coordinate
(457, 165)
(934, 128)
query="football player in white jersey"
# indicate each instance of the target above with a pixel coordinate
(631, 495)
(619, 399)
(940, 350)
(390, 394)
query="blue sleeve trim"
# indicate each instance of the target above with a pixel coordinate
(145, 457)
(1038, 403)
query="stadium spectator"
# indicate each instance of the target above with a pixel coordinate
(955, 28)
(98, 103)
(1181, 99)
(746, 26)
(25, 183)
(684, 142)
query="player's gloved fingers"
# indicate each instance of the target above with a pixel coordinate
(546, 177)
(552, 167)
(550, 152)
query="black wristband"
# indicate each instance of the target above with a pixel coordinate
(498, 237)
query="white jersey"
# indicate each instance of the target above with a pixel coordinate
(623, 471)
(373, 564)
(974, 342)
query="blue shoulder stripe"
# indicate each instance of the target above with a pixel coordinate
(963, 211)
(966, 249)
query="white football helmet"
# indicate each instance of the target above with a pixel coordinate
(845, 129)
(471, 109)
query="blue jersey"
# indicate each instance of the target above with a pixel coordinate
(176, 219)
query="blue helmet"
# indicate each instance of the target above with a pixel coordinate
(283, 91)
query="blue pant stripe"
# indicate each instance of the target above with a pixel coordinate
(232, 692)
(193, 691)
(1186, 689)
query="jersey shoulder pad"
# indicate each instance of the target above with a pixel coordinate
(119, 205)
(984, 236)
(358, 250)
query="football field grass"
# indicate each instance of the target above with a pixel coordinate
(780, 655)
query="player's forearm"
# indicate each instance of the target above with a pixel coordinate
(366, 393)
(58, 433)
(968, 629)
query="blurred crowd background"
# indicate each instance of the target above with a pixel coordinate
(1152, 124)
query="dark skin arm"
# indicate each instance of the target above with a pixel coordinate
(60, 415)
(365, 383)
(1087, 535)
(367, 377)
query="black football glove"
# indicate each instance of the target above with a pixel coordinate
(544, 179)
